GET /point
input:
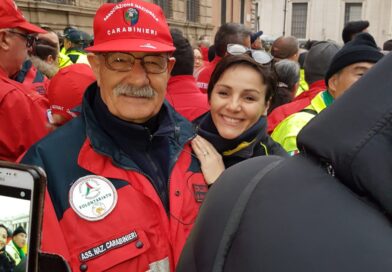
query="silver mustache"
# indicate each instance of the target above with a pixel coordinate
(129, 90)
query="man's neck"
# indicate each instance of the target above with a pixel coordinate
(3, 68)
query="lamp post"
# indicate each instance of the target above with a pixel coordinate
(284, 17)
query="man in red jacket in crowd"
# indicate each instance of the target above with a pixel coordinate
(182, 92)
(22, 111)
(227, 33)
(122, 172)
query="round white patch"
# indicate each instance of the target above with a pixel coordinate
(93, 197)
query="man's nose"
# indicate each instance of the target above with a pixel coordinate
(138, 75)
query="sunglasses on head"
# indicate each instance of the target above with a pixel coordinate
(260, 56)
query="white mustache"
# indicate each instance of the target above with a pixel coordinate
(129, 90)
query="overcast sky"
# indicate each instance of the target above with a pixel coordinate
(10, 207)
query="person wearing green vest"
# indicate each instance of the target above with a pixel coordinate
(347, 66)
(63, 59)
(15, 246)
(73, 44)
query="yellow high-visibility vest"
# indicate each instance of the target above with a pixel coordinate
(287, 131)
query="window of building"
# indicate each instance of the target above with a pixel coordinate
(298, 20)
(352, 12)
(166, 6)
(192, 10)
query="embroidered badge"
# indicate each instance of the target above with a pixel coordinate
(107, 246)
(200, 192)
(92, 197)
(131, 16)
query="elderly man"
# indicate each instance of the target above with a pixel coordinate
(15, 246)
(22, 111)
(42, 63)
(123, 187)
(348, 65)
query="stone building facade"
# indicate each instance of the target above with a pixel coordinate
(193, 17)
(323, 19)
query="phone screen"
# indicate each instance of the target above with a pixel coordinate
(16, 189)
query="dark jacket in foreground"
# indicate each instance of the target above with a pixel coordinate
(327, 209)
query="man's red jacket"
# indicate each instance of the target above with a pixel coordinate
(185, 97)
(23, 118)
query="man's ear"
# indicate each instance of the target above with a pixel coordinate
(4, 41)
(170, 64)
(332, 84)
(50, 59)
(95, 65)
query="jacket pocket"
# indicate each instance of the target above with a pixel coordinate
(123, 247)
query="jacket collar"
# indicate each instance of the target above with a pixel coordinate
(321, 101)
(319, 85)
(243, 146)
(171, 124)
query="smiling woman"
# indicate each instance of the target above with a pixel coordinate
(234, 129)
(6, 262)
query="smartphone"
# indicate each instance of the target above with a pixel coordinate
(22, 190)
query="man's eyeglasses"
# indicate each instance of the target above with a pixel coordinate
(30, 39)
(260, 56)
(123, 62)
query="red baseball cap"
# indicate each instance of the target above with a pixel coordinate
(12, 17)
(131, 26)
(67, 87)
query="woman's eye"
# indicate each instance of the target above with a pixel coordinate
(250, 98)
(223, 93)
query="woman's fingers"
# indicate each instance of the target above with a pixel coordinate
(210, 160)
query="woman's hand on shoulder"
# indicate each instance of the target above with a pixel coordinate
(211, 161)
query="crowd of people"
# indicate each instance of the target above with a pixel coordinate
(13, 249)
(135, 124)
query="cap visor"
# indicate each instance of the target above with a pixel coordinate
(131, 45)
(31, 28)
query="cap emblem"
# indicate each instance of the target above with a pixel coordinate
(131, 16)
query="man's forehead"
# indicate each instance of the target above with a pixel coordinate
(361, 65)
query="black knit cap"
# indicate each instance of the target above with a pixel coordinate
(18, 230)
(362, 48)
